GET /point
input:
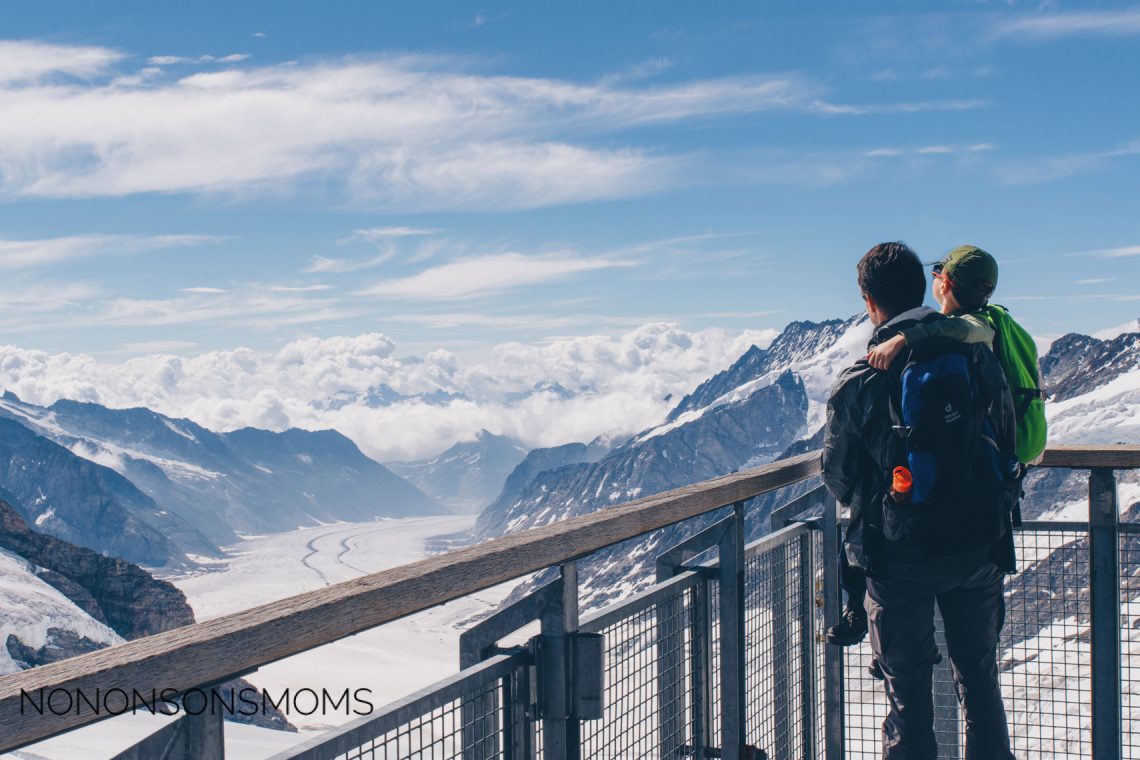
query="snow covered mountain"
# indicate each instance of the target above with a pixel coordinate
(89, 504)
(1096, 398)
(469, 475)
(58, 600)
(385, 395)
(741, 417)
(160, 487)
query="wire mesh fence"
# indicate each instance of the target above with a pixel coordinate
(662, 669)
(651, 680)
(1044, 654)
(776, 610)
(477, 715)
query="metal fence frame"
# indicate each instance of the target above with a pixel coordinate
(723, 659)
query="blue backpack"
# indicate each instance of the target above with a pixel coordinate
(952, 413)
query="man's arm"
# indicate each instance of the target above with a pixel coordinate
(965, 328)
(843, 452)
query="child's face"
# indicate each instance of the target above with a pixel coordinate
(938, 288)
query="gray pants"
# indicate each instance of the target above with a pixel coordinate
(900, 608)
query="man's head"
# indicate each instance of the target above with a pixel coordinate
(965, 278)
(891, 280)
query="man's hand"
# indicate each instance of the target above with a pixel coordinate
(883, 354)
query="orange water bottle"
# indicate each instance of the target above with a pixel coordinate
(901, 484)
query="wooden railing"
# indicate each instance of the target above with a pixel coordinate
(217, 650)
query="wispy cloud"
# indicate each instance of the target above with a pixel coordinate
(24, 62)
(1114, 23)
(400, 133)
(929, 150)
(172, 60)
(920, 106)
(156, 347)
(300, 288)
(485, 275)
(246, 308)
(377, 234)
(1121, 252)
(203, 290)
(453, 320)
(1096, 281)
(324, 264)
(1048, 169)
(29, 254)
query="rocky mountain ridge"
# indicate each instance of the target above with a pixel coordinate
(158, 490)
(468, 475)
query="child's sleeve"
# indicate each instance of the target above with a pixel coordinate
(967, 328)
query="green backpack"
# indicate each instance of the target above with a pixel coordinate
(1015, 349)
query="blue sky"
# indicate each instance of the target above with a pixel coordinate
(198, 177)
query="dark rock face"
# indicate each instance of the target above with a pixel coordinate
(467, 476)
(539, 461)
(798, 341)
(61, 645)
(722, 440)
(85, 503)
(1077, 364)
(383, 395)
(195, 488)
(112, 590)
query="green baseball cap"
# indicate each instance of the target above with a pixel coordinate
(971, 269)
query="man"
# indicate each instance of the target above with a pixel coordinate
(909, 565)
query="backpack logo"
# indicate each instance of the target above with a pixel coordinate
(952, 415)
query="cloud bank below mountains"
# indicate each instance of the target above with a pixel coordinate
(620, 384)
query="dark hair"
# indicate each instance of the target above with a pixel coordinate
(967, 298)
(891, 274)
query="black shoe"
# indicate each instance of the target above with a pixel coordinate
(851, 628)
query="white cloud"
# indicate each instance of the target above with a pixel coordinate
(1120, 252)
(402, 133)
(930, 150)
(922, 106)
(340, 266)
(1120, 23)
(156, 346)
(212, 305)
(203, 290)
(23, 62)
(377, 234)
(399, 130)
(28, 254)
(300, 288)
(1047, 169)
(1096, 280)
(627, 376)
(172, 60)
(483, 275)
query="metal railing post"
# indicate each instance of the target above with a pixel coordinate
(833, 695)
(782, 617)
(701, 632)
(1104, 591)
(808, 685)
(561, 739)
(670, 661)
(669, 563)
(732, 723)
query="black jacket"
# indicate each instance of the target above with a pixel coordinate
(860, 448)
